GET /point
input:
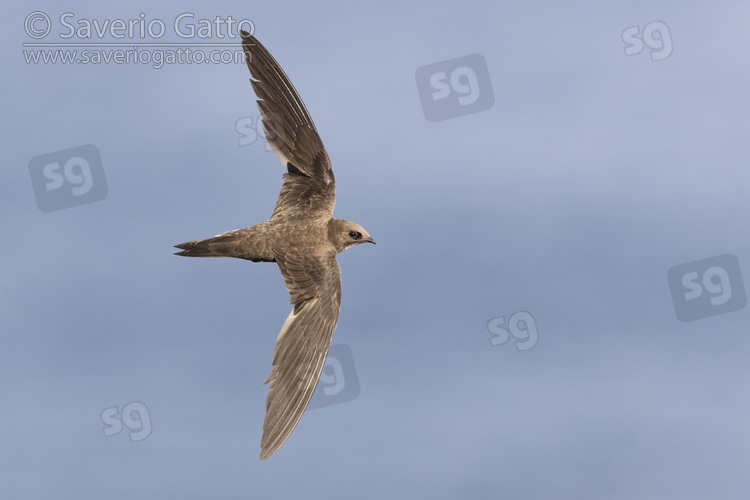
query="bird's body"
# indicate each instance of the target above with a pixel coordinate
(302, 237)
(256, 243)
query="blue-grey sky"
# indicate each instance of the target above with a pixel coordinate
(592, 174)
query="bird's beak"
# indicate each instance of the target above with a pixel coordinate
(370, 241)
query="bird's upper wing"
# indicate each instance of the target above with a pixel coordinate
(309, 184)
(314, 284)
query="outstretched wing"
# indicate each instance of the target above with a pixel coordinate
(314, 284)
(309, 184)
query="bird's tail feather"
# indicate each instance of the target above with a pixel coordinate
(237, 243)
(219, 246)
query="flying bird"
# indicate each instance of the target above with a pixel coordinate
(302, 237)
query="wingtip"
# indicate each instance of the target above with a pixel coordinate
(267, 450)
(248, 40)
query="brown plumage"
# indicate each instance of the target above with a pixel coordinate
(301, 236)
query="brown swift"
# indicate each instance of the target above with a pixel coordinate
(302, 237)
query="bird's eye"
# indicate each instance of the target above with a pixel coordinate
(355, 235)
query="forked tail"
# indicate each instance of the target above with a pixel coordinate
(202, 248)
(250, 243)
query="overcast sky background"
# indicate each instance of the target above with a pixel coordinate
(591, 176)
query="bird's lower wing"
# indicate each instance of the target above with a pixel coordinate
(302, 345)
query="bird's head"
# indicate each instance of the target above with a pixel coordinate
(344, 234)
